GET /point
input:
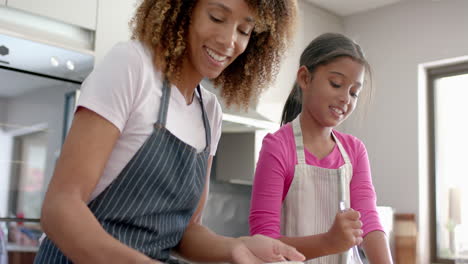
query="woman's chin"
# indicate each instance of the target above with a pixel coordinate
(212, 75)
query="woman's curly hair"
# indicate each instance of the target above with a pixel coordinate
(162, 26)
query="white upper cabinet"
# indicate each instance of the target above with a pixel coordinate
(81, 13)
(112, 25)
(2, 2)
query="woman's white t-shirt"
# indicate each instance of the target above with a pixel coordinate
(126, 90)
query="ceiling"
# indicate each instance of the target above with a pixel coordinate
(350, 7)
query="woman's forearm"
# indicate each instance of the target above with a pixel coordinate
(376, 247)
(201, 244)
(69, 223)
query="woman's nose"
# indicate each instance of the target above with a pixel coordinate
(227, 36)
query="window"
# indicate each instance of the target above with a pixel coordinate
(27, 177)
(448, 95)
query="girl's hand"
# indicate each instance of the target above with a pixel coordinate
(346, 231)
(261, 249)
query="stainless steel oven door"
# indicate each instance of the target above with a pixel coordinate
(35, 86)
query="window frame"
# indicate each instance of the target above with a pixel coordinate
(432, 75)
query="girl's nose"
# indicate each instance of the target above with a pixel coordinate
(345, 96)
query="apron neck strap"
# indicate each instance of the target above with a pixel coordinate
(166, 95)
(296, 126)
(206, 122)
(164, 108)
(341, 148)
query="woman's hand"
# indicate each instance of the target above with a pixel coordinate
(261, 249)
(346, 231)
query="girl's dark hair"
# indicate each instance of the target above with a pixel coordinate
(322, 50)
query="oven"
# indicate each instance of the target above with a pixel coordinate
(38, 86)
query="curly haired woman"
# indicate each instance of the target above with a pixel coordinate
(132, 178)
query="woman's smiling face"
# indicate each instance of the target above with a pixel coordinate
(219, 32)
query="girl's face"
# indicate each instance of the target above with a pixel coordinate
(219, 32)
(332, 93)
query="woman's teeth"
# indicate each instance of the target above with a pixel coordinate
(215, 56)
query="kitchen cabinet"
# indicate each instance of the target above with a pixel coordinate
(2, 2)
(112, 24)
(79, 13)
(237, 156)
(21, 257)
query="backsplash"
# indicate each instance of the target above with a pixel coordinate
(227, 209)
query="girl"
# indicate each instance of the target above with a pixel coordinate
(307, 168)
(131, 181)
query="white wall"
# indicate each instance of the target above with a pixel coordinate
(112, 24)
(397, 39)
(313, 21)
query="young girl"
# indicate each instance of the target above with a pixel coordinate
(307, 168)
(132, 178)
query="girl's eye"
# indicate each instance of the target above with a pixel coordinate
(245, 33)
(335, 85)
(215, 19)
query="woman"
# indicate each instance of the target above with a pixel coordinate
(132, 179)
(307, 168)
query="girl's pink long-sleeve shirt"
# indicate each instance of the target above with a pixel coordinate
(275, 172)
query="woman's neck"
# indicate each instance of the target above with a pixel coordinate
(188, 81)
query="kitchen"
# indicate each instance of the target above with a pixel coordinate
(418, 34)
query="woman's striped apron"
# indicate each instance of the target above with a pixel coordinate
(149, 205)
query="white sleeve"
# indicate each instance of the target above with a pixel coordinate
(111, 88)
(216, 123)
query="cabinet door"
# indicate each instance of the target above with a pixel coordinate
(80, 13)
(112, 25)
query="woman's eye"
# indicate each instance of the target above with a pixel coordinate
(215, 19)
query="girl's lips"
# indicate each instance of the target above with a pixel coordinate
(337, 112)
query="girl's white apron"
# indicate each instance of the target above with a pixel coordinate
(313, 199)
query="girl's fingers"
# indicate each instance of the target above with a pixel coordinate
(358, 232)
(356, 224)
(359, 240)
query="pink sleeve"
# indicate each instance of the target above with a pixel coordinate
(268, 188)
(363, 197)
